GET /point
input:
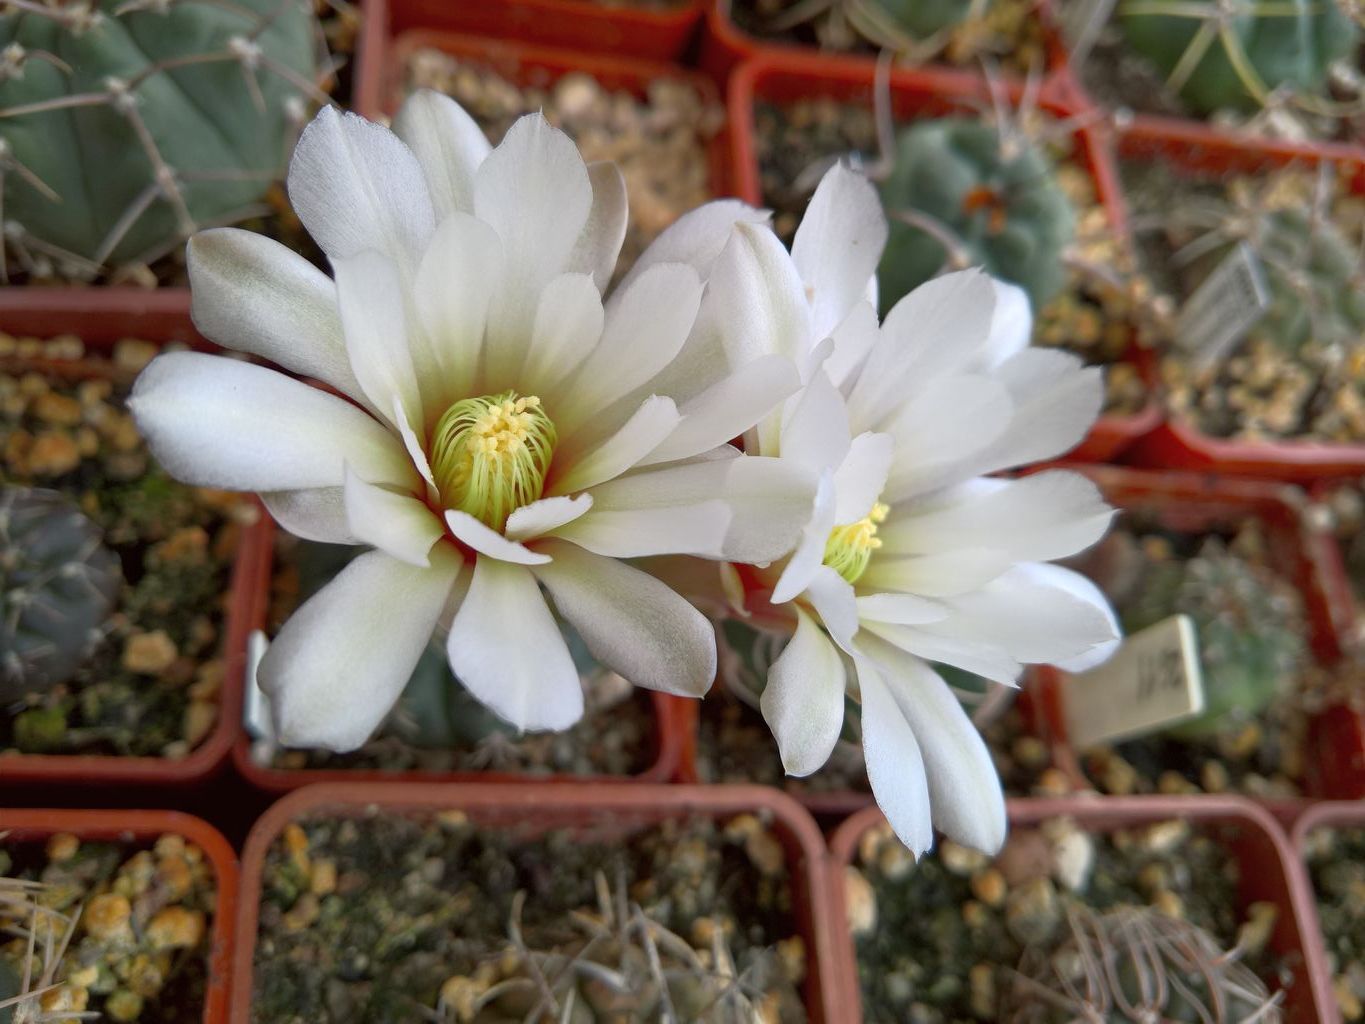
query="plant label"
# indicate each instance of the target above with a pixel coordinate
(1152, 681)
(1228, 304)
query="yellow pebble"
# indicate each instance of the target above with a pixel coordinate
(62, 847)
(107, 916)
(176, 928)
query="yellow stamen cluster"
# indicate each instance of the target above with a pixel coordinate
(489, 455)
(850, 547)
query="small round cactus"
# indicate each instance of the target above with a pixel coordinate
(1249, 624)
(125, 125)
(58, 584)
(962, 194)
(1233, 55)
(1133, 965)
(1314, 278)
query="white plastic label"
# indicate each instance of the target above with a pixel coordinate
(1152, 681)
(1228, 304)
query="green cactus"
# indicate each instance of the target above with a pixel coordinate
(1220, 56)
(1314, 280)
(907, 27)
(882, 21)
(1250, 629)
(974, 197)
(11, 988)
(1135, 965)
(125, 125)
(58, 584)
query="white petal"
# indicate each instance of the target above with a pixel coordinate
(631, 622)
(356, 186)
(318, 514)
(397, 524)
(698, 529)
(217, 422)
(697, 238)
(488, 541)
(900, 609)
(833, 599)
(757, 298)
(507, 651)
(534, 191)
(599, 245)
(861, 477)
(810, 552)
(1011, 325)
(895, 767)
(815, 431)
(838, 245)
(934, 330)
(568, 326)
(456, 279)
(944, 573)
(646, 325)
(547, 514)
(853, 340)
(1035, 518)
(250, 293)
(980, 657)
(943, 431)
(449, 146)
(803, 702)
(413, 447)
(370, 296)
(965, 798)
(640, 435)
(1082, 589)
(343, 658)
(728, 408)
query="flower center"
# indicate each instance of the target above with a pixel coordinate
(489, 455)
(850, 547)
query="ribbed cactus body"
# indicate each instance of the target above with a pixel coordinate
(216, 89)
(1312, 272)
(58, 584)
(921, 18)
(998, 199)
(1291, 46)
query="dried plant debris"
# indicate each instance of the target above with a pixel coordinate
(661, 143)
(103, 931)
(390, 917)
(147, 678)
(1336, 860)
(960, 937)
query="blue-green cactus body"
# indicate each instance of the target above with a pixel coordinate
(922, 18)
(1292, 47)
(1312, 274)
(221, 113)
(1000, 202)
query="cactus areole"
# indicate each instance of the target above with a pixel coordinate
(126, 126)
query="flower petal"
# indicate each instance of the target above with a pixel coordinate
(449, 146)
(317, 514)
(216, 422)
(965, 799)
(397, 524)
(547, 514)
(641, 434)
(1011, 325)
(640, 533)
(895, 767)
(343, 658)
(508, 652)
(631, 622)
(806, 560)
(861, 476)
(943, 431)
(803, 701)
(757, 299)
(568, 326)
(833, 599)
(980, 657)
(356, 186)
(599, 245)
(838, 245)
(534, 191)
(853, 339)
(900, 609)
(1083, 589)
(697, 237)
(250, 293)
(815, 431)
(373, 316)
(941, 574)
(488, 541)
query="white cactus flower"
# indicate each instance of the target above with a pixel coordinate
(490, 425)
(913, 555)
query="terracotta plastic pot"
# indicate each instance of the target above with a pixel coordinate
(777, 77)
(99, 329)
(1197, 149)
(669, 725)
(725, 44)
(620, 810)
(584, 25)
(1298, 549)
(383, 91)
(36, 826)
(1331, 815)
(1269, 871)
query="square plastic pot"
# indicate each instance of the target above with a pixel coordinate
(1330, 815)
(592, 809)
(37, 826)
(781, 77)
(100, 326)
(1269, 872)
